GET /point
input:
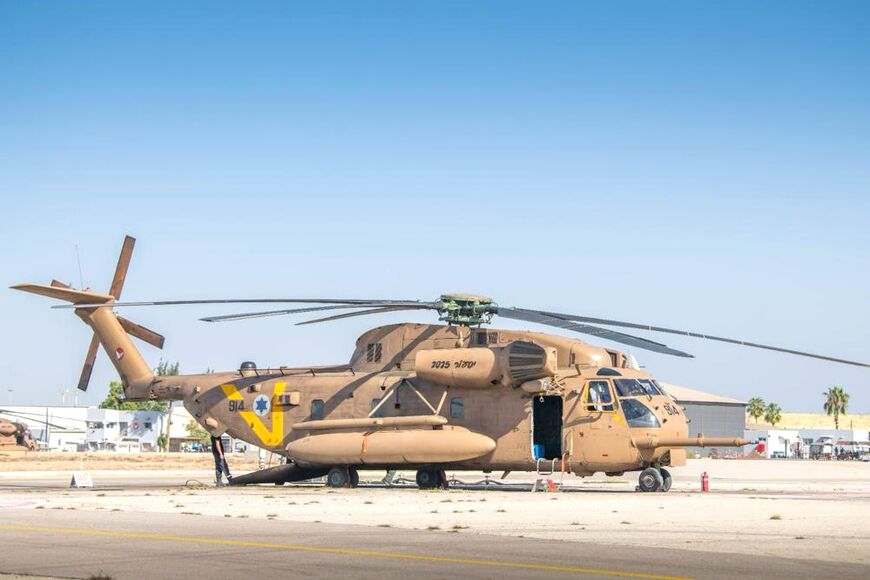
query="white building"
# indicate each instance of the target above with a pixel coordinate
(123, 431)
(808, 443)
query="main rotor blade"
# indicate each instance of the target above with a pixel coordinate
(379, 310)
(23, 417)
(359, 302)
(267, 313)
(122, 267)
(700, 335)
(88, 367)
(636, 341)
(142, 333)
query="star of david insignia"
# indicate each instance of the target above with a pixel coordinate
(261, 405)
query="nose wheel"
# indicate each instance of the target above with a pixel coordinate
(666, 479)
(652, 479)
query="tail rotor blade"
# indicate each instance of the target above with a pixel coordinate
(122, 267)
(142, 333)
(88, 367)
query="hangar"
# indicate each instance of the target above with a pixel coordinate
(712, 415)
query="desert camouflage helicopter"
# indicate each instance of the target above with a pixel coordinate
(430, 397)
(15, 436)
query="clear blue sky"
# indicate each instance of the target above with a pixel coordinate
(699, 165)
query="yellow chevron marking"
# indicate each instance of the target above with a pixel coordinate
(270, 437)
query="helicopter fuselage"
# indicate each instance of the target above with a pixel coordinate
(590, 412)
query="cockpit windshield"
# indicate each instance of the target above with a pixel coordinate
(638, 415)
(636, 388)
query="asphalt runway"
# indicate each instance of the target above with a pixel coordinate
(123, 545)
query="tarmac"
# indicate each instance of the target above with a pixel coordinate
(122, 545)
(764, 519)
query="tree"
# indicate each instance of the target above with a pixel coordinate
(772, 414)
(165, 369)
(755, 409)
(115, 398)
(836, 403)
(197, 432)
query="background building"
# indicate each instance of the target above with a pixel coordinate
(59, 428)
(712, 415)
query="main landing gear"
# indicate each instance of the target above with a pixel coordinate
(342, 477)
(653, 479)
(431, 479)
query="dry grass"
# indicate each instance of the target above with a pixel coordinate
(56, 461)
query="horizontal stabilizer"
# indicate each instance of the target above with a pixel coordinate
(67, 294)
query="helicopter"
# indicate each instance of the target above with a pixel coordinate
(15, 436)
(460, 395)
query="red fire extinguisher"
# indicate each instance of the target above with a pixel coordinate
(705, 482)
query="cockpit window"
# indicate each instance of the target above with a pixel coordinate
(636, 388)
(598, 397)
(638, 415)
(650, 386)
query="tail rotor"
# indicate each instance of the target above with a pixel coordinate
(144, 334)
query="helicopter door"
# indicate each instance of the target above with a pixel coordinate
(546, 427)
(605, 439)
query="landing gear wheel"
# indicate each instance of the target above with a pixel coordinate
(666, 479)
(354, 477)
(428, 478)
(650, 479)
(338, 477)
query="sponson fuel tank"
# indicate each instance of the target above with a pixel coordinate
(419, 446)
(510, 365)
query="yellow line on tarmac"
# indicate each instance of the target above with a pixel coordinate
(342, 551)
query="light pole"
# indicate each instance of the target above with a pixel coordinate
(10, 396)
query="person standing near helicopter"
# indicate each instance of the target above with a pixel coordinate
(220, 461)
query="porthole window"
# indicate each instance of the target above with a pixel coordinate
(457, 408)
(317, 409)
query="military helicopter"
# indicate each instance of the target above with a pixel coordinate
(15, 436)
(430, 397)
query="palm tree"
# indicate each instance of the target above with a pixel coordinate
(772, 414)
(755, 408)
(836, 403)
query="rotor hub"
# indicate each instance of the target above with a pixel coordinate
(466, 309)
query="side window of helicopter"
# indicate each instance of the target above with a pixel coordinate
(599, 397)
(317, 409)
(457, 408)
(379, 412)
